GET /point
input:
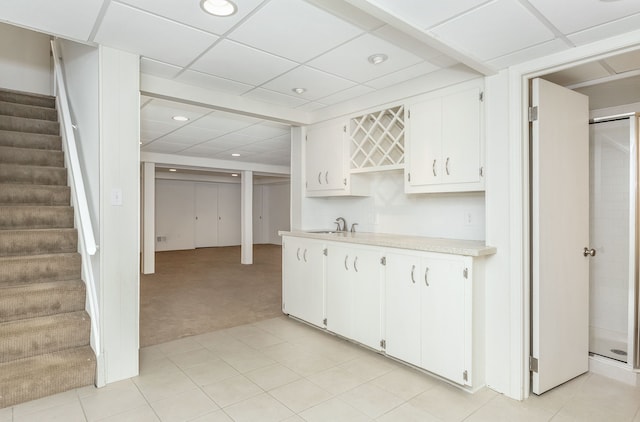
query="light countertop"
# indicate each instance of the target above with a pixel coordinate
(418, 243)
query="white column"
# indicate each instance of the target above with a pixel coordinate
(149, 218)
(246, 213)
(119, 219)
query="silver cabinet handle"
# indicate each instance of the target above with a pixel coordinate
(319, 180)
(446, 166)
(298, 254)
(413, 269)
(355, 264)
(426, 272)
(326, 177)
(588, 252)
(345, 262)
(433, 167)
(304, 255)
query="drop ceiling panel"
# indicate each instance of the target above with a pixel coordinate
(163, 111)
(493, 30)
(225, 122)
(317, 84)
(229, 60)
(614, 93)
(294, 29)
(156, 68)
(311, 106)
(577, 74)
(133, 30)
(425, 14)
(163, 147)
(150, 129)
(575, 15)
(347, 94)
(529, 53)
(264, 131)
(402, 75)
(273, 97)
(350, 60)
(191, 77)
(234, 140)
(71, 19)
(607, 30)
(191, 135)
(190, 13)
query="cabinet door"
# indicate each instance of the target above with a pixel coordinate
(303, 277)
(461, 137)
(424, 137)
(325, 157)
(366, 306)
(443, 318)
(340, 285)
(402, 307)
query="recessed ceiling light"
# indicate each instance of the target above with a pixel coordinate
(234, 174)
(377, 58)
(180, 118)
(221, 8)
(299, 90)
(173, 170)
(235, 154)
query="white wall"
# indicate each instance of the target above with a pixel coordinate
(276, 207)
(390, 210)
(119, 224)
(25, 63)
(175, 211)
(81, 69)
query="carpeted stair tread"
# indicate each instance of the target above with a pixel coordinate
(13, 217)
(15, 270)
(36, 175)
(11, 138)
(41, 299)
(23, 124)
(38, 241)
(27, 110)
(35, 336)
(23, 194)
(43, 375)
(20, 97)
(31, 157)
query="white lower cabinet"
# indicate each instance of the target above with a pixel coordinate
(423, 308)
(303, 279)
(354, 293)
(429, 312)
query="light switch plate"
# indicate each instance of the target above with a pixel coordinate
(116, 197)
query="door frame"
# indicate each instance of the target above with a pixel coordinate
(519, 191)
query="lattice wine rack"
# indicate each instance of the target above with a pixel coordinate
(377, 140)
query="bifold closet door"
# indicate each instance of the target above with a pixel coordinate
(228, 214)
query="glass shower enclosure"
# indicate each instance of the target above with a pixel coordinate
(613, 321)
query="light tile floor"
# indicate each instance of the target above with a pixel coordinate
(282, 370)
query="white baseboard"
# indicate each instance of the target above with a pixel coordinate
(615, 370)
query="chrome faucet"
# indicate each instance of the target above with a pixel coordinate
(342, 228)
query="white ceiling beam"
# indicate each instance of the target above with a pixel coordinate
(200, 163)
(419, 34)
(166, 89)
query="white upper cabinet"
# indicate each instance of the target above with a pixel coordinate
(444, 143)
(327, 161)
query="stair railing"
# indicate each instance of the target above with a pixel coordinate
(86, 239)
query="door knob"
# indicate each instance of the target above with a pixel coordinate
(588, 252)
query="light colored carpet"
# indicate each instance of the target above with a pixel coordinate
(202, 290)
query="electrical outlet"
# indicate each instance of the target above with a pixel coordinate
(468, 218)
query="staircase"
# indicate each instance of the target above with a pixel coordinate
(44, 329)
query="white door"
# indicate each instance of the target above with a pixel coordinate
(560, 232)
(228, 214)
(206, 218)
